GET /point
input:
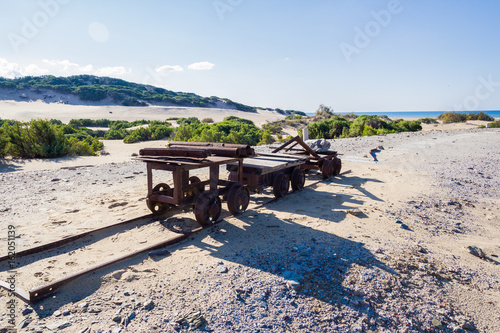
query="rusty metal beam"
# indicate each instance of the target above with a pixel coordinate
(300, 142)
(191, 152)
(38, 293)
(60, 242)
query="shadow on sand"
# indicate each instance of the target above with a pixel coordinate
(315, 263)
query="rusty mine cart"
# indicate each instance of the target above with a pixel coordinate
(182, 157)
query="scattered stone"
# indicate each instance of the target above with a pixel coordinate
(130, 317)
(421, 249)
(117, 319)
(83, 305)
(85, 330)
(57, 313)
(476, 251)
(194, 320)
(221, 269)
(149, 305)
(24, 323)
(436, 323)
(117, 330)
(59, 325)
(354, 211)
(468, 326)
(66, 313)
(319, 146)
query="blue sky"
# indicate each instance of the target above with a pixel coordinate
(353, 55)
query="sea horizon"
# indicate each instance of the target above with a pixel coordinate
(412, 114)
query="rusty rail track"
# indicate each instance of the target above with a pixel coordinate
(38, 293)
(63, 241)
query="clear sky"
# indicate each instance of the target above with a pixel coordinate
(352, 55)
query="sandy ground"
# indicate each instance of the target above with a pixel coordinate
(26, 111)
(301, 264)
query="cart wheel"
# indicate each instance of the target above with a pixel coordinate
(162, 189)
(298, 179)
(195, 180)
(281, 185)
(238, 198)
(207, 208)
(327, 169)
(156, 207)
(337, 166)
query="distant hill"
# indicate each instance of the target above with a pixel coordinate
(92, 88)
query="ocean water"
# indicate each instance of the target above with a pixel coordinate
(414, 114)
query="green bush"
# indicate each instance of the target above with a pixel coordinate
(91, 93)
(238, 120)
(293, 117)
(42, 139)
(132, 101)
(329, 129)
(188, 121)
(495, 124)
(267, 138)
(231, 130)
(479, 116)
(364, 125)
(428, 121)
(401, 125)
(452, 117)
(155, 131)
(207, 120)
(325, 111)
(273, 128)
(4, 141)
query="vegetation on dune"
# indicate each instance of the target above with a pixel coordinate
(428, 121)
(230, 130)
(94, 88)
(459, 117)
(51, 138)
(495, 124)
(44, 139)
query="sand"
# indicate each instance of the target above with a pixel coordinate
(26, 111)
(401, 266)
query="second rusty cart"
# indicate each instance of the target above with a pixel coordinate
(276, 170)
(328, 162)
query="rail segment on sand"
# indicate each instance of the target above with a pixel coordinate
(247, 172)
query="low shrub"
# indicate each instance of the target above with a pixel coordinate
(452, 117)
(479, 116)
(495, 124)
(428, 121)
(42, 139)
(273, 128)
